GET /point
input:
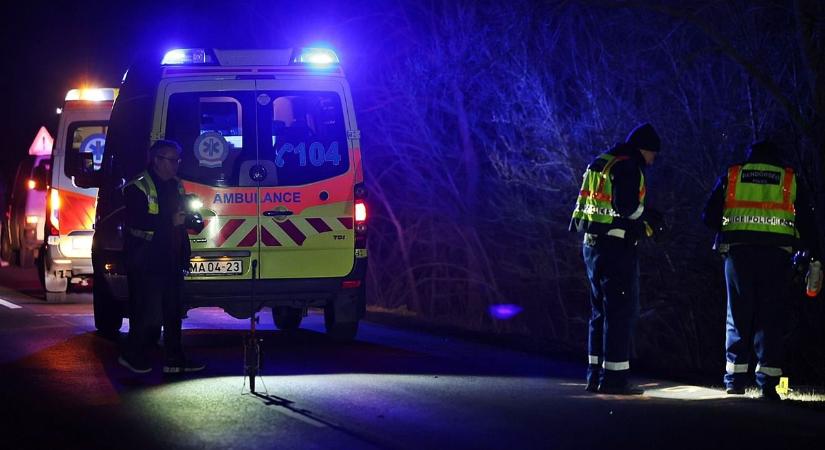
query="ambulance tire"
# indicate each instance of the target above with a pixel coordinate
(286, 318)
(338, 330)
(6, 252)
(108, 319)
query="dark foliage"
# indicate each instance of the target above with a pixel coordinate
(480, 119)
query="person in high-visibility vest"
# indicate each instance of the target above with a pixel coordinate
(610, 211)
(761, 214)
(157, 253)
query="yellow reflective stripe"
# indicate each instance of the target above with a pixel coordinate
(593, 359)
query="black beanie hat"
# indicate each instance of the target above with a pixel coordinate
(763, 149)
(644, 137)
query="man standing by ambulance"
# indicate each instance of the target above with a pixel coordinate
(610, 211)
(157, 253)
(762, 215)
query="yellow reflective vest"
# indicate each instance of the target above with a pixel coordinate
(594, 205)
(144, 182)
(760, 197)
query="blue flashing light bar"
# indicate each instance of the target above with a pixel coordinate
(185, 56)
(315, 56)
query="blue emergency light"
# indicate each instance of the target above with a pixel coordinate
(184, 56)
(320, 57)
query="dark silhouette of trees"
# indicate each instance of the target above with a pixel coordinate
(480, 117)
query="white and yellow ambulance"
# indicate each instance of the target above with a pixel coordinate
(271, 150)
(70, 207)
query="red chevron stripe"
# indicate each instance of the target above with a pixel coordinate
(250, 239)
(346, 221)
(226, 230)
(268, 239)
(319, 225)
(292, 231)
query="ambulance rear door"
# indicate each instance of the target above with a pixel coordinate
(214, 121)
(82, 131)
(305, 177)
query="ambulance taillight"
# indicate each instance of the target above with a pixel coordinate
(360, 212)
(360, 216)
(53, 213)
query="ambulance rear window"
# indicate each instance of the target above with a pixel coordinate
(216, 132)
(307, 140)
(296, 137)
(86, 137)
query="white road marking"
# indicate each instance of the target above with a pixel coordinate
(9, 304)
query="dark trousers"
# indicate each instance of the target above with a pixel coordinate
(758, 281)
(613, 271)
(154, 300)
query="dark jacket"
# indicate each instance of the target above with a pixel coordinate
(805, 221)
(168, 252)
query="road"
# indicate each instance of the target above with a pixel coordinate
(61, 387)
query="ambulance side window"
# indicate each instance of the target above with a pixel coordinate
(214, 132)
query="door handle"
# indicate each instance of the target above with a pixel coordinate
(278, 213)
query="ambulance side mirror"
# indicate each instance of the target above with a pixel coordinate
(81, 167)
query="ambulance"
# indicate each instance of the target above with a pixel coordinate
(65, 257)
(24, 216)
(272, 162)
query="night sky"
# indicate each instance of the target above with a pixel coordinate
(50, 48)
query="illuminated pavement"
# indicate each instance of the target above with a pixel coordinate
(61, 387)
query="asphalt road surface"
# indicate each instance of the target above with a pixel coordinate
(61, 387)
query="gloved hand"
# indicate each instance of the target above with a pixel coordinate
(801, 260)
(655, 225)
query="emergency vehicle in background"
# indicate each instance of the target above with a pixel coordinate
(70, 208)
(25, 211)
(271, 152)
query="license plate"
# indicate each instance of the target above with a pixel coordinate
(217, 267)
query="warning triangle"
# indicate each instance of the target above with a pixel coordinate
(42, 143)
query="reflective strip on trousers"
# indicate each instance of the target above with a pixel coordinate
(638, 213)
(616, 232)
(735, 368)
(592, 359)
(624, 365)
(769, 371)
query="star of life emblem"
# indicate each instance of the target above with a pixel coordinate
(211, 149)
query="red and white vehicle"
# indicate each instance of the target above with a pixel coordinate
(23, 220)
(66, 255)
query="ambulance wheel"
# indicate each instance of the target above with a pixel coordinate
(108, 319)
(287, 318)
(336, 329)
(5, 249)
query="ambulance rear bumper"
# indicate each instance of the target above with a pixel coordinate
(301, 290)
(235, 296)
